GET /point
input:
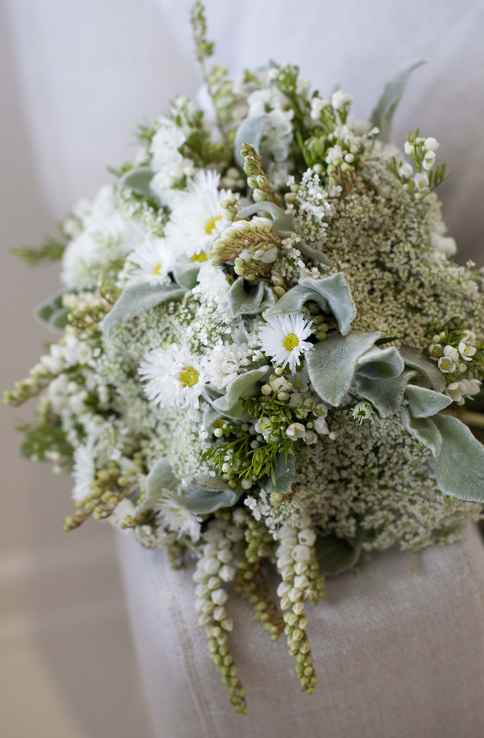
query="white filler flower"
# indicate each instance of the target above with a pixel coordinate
(283, 338)
(150, 262)
(197, 218)
(83, 472)
(174, 377)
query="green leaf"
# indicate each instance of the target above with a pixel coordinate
(185, 273)
(332, 294)
(385, 394)
(332, 364)
(135, 300)
(424, 430)
(244, 386)
(426, 368)
(247, 298)
(337, 555)
(139, 180)
(381, 364)
(53, 312)
(459, 468)
(160, 477)
(282, 221)
(250, 132)
(382, 115)
(423, 402)
(205, 497)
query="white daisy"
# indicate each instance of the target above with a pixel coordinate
(283, 338)
(150, 262)
(174, 377)
(197, 218)
(224, 363)
(177, 518)
(83, 472)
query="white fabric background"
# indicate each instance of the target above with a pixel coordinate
(76, 79)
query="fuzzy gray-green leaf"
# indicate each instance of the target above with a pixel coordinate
(424, 430)
(139, 180)
(205, 498)
(381, 364)
(332, 364)
(135, 300)
(332, 294)
(459, 468)
(248, 298)
(382, 115)
(426, 368)
(244, 386)
(337, 555)
(424, 403)
(250, 132)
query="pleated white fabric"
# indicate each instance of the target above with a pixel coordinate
(398, 646)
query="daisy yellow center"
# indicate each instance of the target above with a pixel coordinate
(188, 376)
(211, 224)
(156, 269)
(290, 342)
(200, 256)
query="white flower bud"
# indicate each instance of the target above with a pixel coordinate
(307, 537)
(219, 597)
(301, 553)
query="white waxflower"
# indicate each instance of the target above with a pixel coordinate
(150, 262)
(467, 350)
(431, 144)
(317, 106)
(449, 361)
(223, 364)
(83, 472)
(213, 284)
(283, 338)
(106, 235)
(173, 377)
(197, 218)
(334, 155)
(169, 165)
(177, 518)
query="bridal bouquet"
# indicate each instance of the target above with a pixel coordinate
(264, 347)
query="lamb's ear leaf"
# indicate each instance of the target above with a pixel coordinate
(385, 394)
(332, 364)
(337, 555)
(205, 498)
(429, 371)
(250, 132)
(332, 294)
(247, 298)
(139, 181)
(242, 387)
(382, 115)
(282, 221)
(161, 477)
(53, 312)
(135, 300)
(185, 274)
(459, 468)
(424, 430)
(424, 403)
(381, 364)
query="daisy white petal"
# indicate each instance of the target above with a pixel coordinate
(283, 339)
(173, 377)
(150, 262)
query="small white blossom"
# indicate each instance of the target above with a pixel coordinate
(283, 339)
(173, 377)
